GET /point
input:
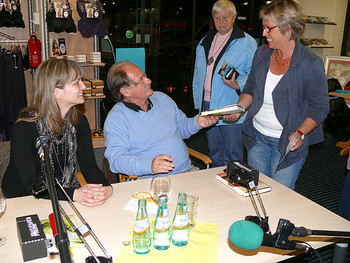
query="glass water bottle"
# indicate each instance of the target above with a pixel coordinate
(162, 231)
(181, 226)
(141, 239)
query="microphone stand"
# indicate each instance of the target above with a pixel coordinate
(62, 240)
(289, 228)
(84, 229)
(48, 182)
(262, 221)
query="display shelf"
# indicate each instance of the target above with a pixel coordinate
(90, 64)
(94, 97)
(320, 20)
(315, 43)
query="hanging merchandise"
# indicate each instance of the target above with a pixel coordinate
(12, 87)
(10, 14)
(34, 50)
(59, 17)
(91, 22)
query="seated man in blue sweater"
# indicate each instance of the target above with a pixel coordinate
(144, 131)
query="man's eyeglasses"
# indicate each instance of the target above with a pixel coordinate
(142, 79)
(268, 29)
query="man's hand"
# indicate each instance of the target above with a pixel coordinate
(162, 164)
(205, 122)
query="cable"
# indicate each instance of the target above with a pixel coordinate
(312, 252)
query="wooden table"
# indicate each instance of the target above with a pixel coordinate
(217, 203)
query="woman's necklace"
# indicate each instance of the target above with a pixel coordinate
(60, 143)
(282, 62)
(211, 58)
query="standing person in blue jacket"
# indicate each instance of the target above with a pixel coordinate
(211, 90)
(287, 94)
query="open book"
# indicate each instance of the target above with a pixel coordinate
(232, 109)
(223, 178)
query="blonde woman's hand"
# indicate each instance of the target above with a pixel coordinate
(93, 194)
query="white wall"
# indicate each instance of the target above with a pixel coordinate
(335, 10)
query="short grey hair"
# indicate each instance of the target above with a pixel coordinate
(285, 14)
(224, 5)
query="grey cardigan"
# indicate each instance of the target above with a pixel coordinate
(302, 92)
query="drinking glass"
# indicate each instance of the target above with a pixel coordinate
(3, 240)
(160, 184)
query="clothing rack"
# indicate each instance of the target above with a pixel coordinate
(11, 39)
(14, 41)
(6, 36)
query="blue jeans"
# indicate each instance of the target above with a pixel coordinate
(344, 205)
(264, 156)
(225, 142)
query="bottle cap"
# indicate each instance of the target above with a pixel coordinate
(163, 199)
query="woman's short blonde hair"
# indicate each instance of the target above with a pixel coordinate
(285, 14)
(224, 5)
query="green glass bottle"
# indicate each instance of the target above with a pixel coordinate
(141, 239)
(181, 226)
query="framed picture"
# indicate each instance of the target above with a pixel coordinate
(338, 68)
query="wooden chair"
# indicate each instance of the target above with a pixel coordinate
(345, 147)
(119, 178)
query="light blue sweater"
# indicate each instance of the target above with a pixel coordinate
(133, 139)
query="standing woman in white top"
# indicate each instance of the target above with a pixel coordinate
(287, 96)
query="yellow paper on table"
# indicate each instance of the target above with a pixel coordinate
(202, 247)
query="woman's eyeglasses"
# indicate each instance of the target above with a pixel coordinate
(268, 29)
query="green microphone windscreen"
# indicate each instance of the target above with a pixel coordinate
(246, 234)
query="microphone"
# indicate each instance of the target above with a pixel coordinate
(249, 236)
(39, 148)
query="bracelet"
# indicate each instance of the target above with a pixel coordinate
(301, 134)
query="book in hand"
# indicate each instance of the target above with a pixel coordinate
(74, 239)
(232, 109)
(227, 70)
(243, 191)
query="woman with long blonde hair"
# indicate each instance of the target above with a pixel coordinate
(58, 88)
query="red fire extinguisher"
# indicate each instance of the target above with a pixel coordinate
(34, 50)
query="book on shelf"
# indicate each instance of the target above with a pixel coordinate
(319, 20)
(74, 239)
(243, 191)
(315, 42)
(232, 109)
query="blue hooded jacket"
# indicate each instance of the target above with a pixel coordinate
(238, 51)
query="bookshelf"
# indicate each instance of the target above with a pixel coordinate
(316, 42)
